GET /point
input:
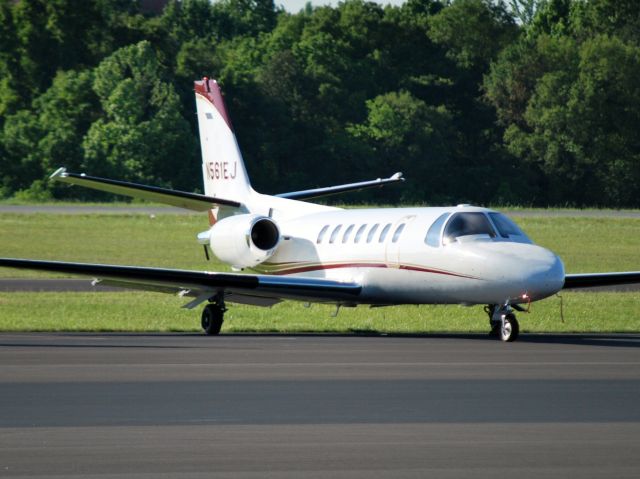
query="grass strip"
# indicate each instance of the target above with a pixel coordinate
(586, 245)
(132, 311)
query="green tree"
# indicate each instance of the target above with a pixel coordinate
(404, 133)
(620, 18)
(49, 135)
(525, 10)
(580, 124)
(142, 136)
(245, 17)
(471, 33)
(19, 163)
(567, 95)
(52, 35)
(10, 97)
(474, 31)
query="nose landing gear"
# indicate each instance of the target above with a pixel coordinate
(504, 324)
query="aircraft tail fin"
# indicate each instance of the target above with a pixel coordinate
(223, 170)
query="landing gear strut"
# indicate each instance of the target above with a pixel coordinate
(504, 324)
(213, 316)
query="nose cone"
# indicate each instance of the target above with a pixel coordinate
(543, 273)
(523, 272)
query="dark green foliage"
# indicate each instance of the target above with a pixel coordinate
(524, 101)
(39, 140)
(568, 95)
(142, 136)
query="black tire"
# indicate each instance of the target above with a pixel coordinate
(509, 329)
(495, 329)
(212, 319)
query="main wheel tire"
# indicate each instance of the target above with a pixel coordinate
(212, 319)
(509, 329)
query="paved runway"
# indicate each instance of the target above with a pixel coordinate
(189, 406)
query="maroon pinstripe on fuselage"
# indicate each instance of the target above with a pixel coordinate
(293, 267)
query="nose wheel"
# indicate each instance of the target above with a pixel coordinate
(509, 329)
(504, 324)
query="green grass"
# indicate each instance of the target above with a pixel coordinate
(138, 239)
(585, 244)
(129, 311)
(588, 244)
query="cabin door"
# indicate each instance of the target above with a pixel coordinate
(394, 240)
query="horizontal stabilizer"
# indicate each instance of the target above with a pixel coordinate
(181, 199)
(590, 280)
(333, 190)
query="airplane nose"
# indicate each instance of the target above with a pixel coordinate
(524, 272)
(544, 271)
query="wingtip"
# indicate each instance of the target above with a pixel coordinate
(397, 176)
(59, 173)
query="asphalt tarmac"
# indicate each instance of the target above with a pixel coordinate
(314, 406)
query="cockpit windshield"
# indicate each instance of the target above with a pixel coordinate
(467, 224)
(508, 229)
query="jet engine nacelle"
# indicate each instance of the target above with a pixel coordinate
(243, 241)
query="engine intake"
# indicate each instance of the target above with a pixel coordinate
(243, 241)
(265, 234)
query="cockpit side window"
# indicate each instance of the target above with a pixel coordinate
(467, 224)
(433, 235)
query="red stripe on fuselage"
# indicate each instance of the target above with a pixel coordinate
(321, 267)
(435, 271)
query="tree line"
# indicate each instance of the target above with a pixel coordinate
(531, 102)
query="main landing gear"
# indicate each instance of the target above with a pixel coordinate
(213, 315)
(504, 324)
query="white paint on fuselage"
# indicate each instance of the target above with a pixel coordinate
(478, 270)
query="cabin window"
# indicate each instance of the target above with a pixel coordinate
(347, 233)
(433, 235)
(334, 233)
(323, 231)
(359, 233)
(372, 232)
(468, 224)
(383, 233)
(397, 233)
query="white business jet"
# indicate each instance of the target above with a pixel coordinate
(314, 253)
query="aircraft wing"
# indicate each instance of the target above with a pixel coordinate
(589, 280)
(333, 190)
(181, 199)
(259, 290)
